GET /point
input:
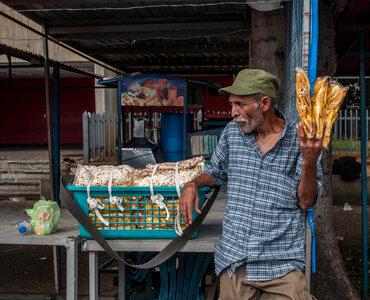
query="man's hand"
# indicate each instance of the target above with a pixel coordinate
(189, 197)
(310, 148)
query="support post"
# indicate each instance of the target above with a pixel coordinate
(363, 165)
(119, 138)
(10, 72)
(56, 122)
(48, 110)
(184, 119)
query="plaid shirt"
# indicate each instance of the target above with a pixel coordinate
(263, 225)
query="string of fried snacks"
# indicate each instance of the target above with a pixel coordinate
(303, 102)
(319, 104)
(335, 96)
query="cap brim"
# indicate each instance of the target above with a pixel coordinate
(235, 90)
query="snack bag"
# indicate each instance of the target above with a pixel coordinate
(303, 102)
(335, 96)
(45, 216)
(319, 104)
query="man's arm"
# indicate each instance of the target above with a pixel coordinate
(310, 149)
(189, 196)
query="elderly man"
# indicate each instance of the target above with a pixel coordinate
(273, 175)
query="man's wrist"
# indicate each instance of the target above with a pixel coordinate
(191, 182)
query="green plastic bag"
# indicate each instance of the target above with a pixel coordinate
(45, 216)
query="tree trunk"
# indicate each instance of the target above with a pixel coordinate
(331, 280)
(267, 42)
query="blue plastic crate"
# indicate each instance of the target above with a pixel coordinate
(141, 219)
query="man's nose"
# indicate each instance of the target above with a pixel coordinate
(234, 110)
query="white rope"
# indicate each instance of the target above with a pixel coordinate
(157, 199)
(93, 203)
(178, 228)
(114, 200)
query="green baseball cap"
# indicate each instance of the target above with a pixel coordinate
(253, 81)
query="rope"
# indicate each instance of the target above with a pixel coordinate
(114, 200)
(93, 203)
(157, 199)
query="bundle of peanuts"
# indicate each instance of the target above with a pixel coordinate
(323, 106)
(137, 212)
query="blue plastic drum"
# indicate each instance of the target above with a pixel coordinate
(172, 136)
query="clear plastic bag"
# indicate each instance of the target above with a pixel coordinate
(45, 216)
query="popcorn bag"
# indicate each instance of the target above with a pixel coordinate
(323, 107)
(124, 202)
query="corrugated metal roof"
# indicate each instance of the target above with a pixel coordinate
(38, 60)
(199, 36)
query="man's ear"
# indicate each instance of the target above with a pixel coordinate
(265, 103)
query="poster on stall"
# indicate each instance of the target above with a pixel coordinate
(152, 90)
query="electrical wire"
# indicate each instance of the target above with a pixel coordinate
(145, 6)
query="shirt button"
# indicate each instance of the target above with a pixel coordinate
(262, 167)
(258, 190)
(252, 235)
(255, 212)
(249, 254)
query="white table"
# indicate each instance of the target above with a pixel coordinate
(67, 235)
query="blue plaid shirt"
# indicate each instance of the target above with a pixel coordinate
(263, 225)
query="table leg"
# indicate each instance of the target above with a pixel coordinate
(72, 269)
(93, 271)
(121, 278)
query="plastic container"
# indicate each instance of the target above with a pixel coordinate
(24, 227)
(172, 135)
(141, 219)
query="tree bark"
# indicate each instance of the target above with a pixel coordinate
(267, 41)
(331, 280)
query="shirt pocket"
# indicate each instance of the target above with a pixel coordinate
(286, 192)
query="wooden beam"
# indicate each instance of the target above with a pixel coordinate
(72, 3)
(186, 62)
(133, 36)
(127, 21)
(209, 26)
(157, 51)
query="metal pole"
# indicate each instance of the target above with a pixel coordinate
(56, 162)
(185, 119)
(50, 141)
(56, 111)
(363, 166)
(10, 71)
(48, 111)
(119, 111)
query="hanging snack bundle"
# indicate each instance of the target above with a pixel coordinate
(323, 107)
(335, 97)
(303, 103)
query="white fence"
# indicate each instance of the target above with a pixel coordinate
(100, 133)
(346, 134)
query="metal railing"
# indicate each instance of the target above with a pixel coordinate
(346, 134)
(100, 133)
(99, 136)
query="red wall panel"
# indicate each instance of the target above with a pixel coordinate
(23, 111)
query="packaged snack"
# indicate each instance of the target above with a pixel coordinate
(319, 104)
(303, 102)
(335, 96)
(45, 216)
